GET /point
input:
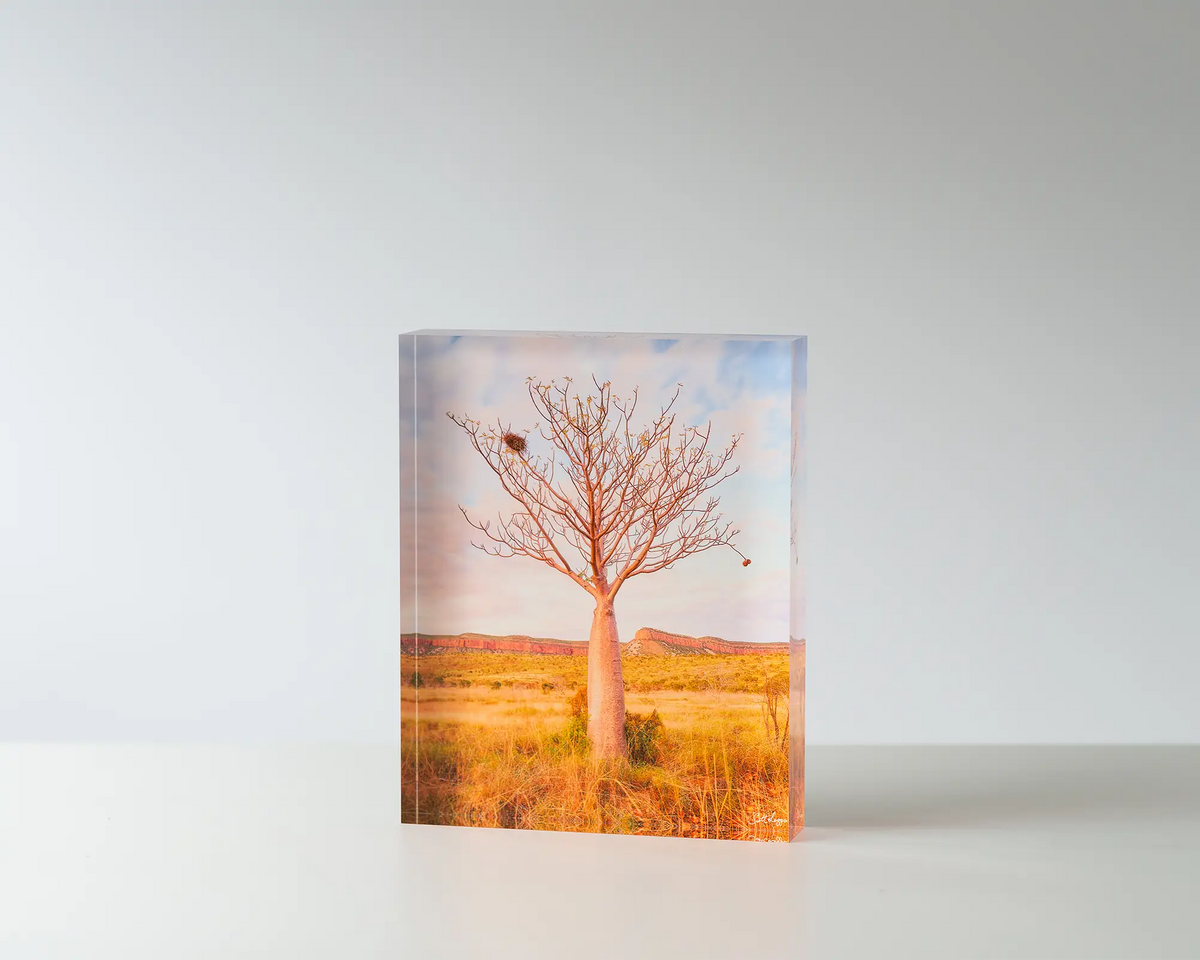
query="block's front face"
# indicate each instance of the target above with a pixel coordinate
(599, 584)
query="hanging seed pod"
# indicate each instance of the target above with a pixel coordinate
(745, 563)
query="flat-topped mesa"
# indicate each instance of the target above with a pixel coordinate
(650, 642)
(482, 643)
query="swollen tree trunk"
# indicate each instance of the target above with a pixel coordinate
(606, 688)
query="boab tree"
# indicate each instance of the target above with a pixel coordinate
(605, 502)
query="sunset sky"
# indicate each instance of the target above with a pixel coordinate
(741, 385)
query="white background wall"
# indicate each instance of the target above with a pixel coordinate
(215, 218)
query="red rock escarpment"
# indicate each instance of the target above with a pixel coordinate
(431, 643)
(650, 642)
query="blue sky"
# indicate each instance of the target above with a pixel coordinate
(741, 386)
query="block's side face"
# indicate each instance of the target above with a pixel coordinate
(408, 579)
(798, 630)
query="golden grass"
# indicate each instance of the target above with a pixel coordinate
(714, 780)
(482, 755)
(743, 673)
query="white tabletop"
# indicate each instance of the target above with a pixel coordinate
(225, 851)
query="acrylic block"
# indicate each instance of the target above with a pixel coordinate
(602, 587)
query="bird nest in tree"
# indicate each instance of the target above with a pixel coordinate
(515, 442)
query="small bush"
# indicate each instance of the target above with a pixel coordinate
(643, 734)
(573, 738)
(577, 704)
(417, 680)
(547, 686)
(496, 684)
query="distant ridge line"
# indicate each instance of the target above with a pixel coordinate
(646, 642)
(484, 643)
(651, 642)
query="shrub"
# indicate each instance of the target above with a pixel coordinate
(496, 684)
(577, 704)
(643, 734)
(573, 738)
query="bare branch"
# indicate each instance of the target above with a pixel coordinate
(626, 501)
